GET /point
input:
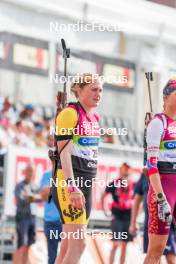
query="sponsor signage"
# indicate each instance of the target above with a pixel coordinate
(119, 76)
(29, 56)
(23, 54)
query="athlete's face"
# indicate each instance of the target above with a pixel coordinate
(91, 94)
(124, 173)
(170, 100)
(28, 173)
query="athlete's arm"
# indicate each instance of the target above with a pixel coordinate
(45, 193)
(154, 133)
(65, 123)
(134, 213)
(110, 189)
(139, 192)
(65, 158)
(77, 198)
(103, 199)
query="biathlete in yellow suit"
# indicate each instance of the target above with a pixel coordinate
(77, 134)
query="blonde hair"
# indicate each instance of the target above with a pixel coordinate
(81, 80)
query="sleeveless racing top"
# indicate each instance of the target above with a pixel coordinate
(161, 145)
(75, 124)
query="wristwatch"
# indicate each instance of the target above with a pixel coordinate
(160, 197)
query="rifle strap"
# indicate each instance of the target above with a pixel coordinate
(55, 162)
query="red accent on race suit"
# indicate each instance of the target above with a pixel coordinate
(152, 171)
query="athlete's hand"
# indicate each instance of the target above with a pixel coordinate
(164, 211)
(77, 198)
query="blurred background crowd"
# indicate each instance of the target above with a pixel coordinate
(23, 126)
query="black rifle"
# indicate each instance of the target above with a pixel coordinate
(148, 115)
(61, 101)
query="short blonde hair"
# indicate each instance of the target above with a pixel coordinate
(81, 80)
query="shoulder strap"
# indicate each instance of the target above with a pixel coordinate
(164, 124)
(97, 117)
(77, 110)
(76, 104)
(164, 121)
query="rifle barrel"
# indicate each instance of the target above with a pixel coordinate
(149, 77)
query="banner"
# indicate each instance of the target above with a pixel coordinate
(119, 76)
(17, 158)
(30, 56)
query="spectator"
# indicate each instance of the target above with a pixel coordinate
(20, 137)
(4, 140)
(7, 135)
(121, 190)
(7, 112)
(27, 128)
(29, 133)
(51, 219)
(40, 139)
(27, 113)
(25, 219)
(48, 123)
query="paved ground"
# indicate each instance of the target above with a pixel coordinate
(38, 252)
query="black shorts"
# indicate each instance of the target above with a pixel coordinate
(120, 229)
(25, 232)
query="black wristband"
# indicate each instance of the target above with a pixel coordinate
(69, 181)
